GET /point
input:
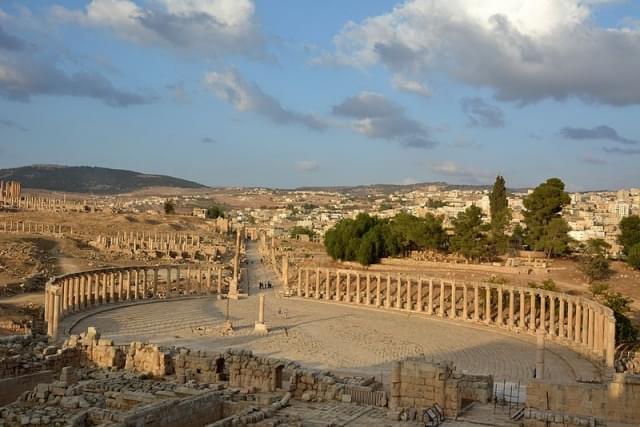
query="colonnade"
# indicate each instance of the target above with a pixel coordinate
(582, 324)
(34, 227)
(75, 292)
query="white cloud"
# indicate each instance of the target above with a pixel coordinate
(454, 170)
(402, 84)
(231, 87)
(204, 26)
(375, 116)
(525, 50)
(306, 166)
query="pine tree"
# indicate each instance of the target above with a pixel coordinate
(500, 215)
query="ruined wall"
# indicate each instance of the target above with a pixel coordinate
(12, 388)
(616, 401)
(194, 411)
(417, 383)
(149, 359)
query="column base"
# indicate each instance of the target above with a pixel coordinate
(261, 328)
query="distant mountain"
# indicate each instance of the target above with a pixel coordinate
(85, 179)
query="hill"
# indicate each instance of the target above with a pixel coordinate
(86, 179)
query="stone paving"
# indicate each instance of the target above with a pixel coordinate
(329, 335)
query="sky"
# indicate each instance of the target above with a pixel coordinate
(289, 93)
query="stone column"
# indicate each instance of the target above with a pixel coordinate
(112, 285)
(540, 355)
(419, 304)
(128, 288)
(145, 279)
(260, 326)
(65, 296)
(49, 317)
(465, 310)
(578, 323)
(512, 308)
(56, 314)
(299, 291)
(532, 312)
(306, 283)
(561, 318)
(585, 325)
(220, 281)
(285, 271)
(136, 279)
(368, 291)
(387, 301)
(338, 295)
(104, 287)
(611, 341)
(178, 278)
(452, 313)
(120, 286)
(409, 304)
(83, 292)
(597, 331)
(500, 319)
(543, 311)
(154, 282)
(521, 321)
(590, 328)
(441, 308)
(552, 315)
(76, 293)
(570, 319)
(430, 300)
(327, 285)
(487, 305)
(399, 292)
(317, 295)
(378, 301)
(476, 302)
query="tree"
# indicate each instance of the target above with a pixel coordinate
(629, 232)
(298, 230)
(595, 267)
(470, 234)
(555, 238)
(215, 212)
(366, 239)
(169, 207)
(633, 258)
(597, 247)
(500, 215)
(542, 211)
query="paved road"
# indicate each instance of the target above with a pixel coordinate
(330, 335)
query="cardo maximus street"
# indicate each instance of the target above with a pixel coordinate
(140, 307)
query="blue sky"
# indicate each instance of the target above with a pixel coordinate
(287, 93)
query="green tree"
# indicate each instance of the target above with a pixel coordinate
(298, 230)
(633, 258)
(366, 239)
(470, 234)
(595, 267)
(215, 212)
(169, 207)
(543, 206)
(555, 238)
(500, 215)
(597, 247)
(418, 233)
(629, 232)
